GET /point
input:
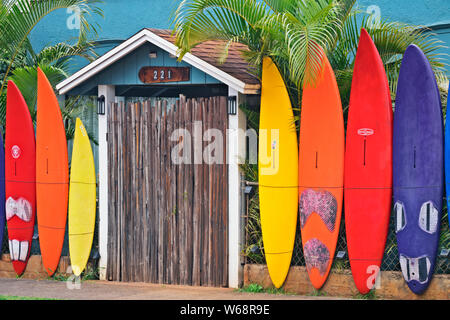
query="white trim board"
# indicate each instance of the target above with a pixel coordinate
(136, 41)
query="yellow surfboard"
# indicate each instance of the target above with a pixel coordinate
(82, 200)
(278, 173)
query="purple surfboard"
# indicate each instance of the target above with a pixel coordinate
(447, 153)
(418, 160)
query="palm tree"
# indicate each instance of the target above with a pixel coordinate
(391, 40)
(291, 31)
(18, 60)
(53, 60)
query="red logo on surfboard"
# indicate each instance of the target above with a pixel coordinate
(15, 152)
(366, 132)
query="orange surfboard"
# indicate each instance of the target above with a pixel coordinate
(321, 173)
(52, 175)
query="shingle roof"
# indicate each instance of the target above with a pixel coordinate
(210, 51)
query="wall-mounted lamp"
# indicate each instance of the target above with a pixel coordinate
(101, 105)
(153, 55)
(232, 108)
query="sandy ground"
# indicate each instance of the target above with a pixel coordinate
(105, 290)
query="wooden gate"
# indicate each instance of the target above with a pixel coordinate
(167, 221)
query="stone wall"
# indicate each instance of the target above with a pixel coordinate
(34, 270)
(340, 284)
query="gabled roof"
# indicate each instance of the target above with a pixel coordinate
(235, 72)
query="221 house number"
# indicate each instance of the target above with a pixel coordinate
(162, 74)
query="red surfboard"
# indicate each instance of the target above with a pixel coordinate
(368, 165)
(20, 177)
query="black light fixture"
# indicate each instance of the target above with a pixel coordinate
(101, 105)
(232, 108)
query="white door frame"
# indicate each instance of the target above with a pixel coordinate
(109, 92)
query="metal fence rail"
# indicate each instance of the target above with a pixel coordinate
(253, 250)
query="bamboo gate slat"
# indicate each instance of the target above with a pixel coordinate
(168, 222)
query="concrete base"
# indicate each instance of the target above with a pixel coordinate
(35, 268)
(340, 284)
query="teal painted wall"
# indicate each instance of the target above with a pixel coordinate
(430, 13)
(124, 18)
(422, 12)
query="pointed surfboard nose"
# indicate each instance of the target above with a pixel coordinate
(413, 49)
(365, 37)
(11, 85)
(40, 75)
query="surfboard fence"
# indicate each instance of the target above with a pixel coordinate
(253, 248)
(168, 222)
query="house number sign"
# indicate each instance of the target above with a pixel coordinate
(164, 74)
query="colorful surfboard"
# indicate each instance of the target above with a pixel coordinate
(368, 165)
(418, 169)
(2, 191)
(52, 175)
(82, 200)
(278, 173)
(321, 173)
(447, 152)
(20, 176)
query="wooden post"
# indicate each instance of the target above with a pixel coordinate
(108, 92)
(236, 155)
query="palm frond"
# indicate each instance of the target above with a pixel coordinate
(196, 21)
(18, 18)
(26, 80)
(60, 53)
(309, 32)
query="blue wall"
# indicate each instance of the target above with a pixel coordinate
(430, 13)
(419, 12)
(124, 18)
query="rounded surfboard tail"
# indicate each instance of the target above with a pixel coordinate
(278, 172)
(82, 200)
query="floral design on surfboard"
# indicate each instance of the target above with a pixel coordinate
(316, 256)
(321, 202)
